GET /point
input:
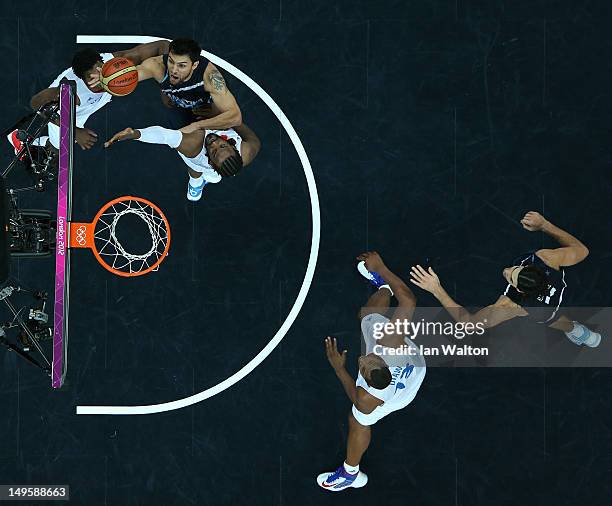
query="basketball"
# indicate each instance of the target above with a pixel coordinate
(119, 76)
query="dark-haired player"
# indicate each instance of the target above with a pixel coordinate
(209, 154)
(91, 98)
(537, 280)
(389, 374)
(191, 87)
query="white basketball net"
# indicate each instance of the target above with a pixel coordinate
(111, 250)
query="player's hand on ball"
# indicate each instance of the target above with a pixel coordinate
(533, 221)
(125, 135)
(373, 261)
(426, 279)
(95, 79)
(85, 137)
(335, 358)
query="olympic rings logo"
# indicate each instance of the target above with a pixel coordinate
(81, 234)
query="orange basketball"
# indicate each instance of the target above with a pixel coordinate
(119, 76)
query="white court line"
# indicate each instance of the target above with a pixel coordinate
(312, 260)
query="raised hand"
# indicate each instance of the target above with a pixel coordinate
(533, 221)
(95, 78)
(125, 135)
(335, 358)
(426, 279)
(85, 137)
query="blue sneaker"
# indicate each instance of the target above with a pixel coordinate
(195, 192)
(341, 479)
(372, 277)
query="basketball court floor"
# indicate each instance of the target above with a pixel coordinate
(428, 130)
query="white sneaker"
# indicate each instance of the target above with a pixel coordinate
(593, 340)
(585, 336)
(341, 479)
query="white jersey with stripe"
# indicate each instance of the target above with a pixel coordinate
(200, 163)
(90, 101)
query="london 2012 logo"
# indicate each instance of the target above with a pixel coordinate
(61, 234)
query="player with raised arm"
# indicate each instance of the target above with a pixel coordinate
(210, 154)
(536, 280)
(90, 97)
(390, 372)
(191, 87)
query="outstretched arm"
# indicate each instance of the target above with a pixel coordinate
(84, 137)
(187, 144)
(362, 400)
(44, 97)
(141, 52)
(572, 250)
(374, 263)
(250, 143)
(490, 316)
(152, 67)
(126, 134)
(406, 301)
(338, 360)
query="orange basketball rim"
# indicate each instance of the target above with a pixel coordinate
(99, 236)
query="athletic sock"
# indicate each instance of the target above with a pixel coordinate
(387, 287)
(351, 469)
(196, 182)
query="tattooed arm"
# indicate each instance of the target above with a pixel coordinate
(227, 112)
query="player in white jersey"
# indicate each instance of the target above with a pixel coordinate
(209, 154)
(85, 64)
(391, 370)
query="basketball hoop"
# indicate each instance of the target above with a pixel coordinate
(100, 236)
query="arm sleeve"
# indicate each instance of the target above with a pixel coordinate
(161, 135)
